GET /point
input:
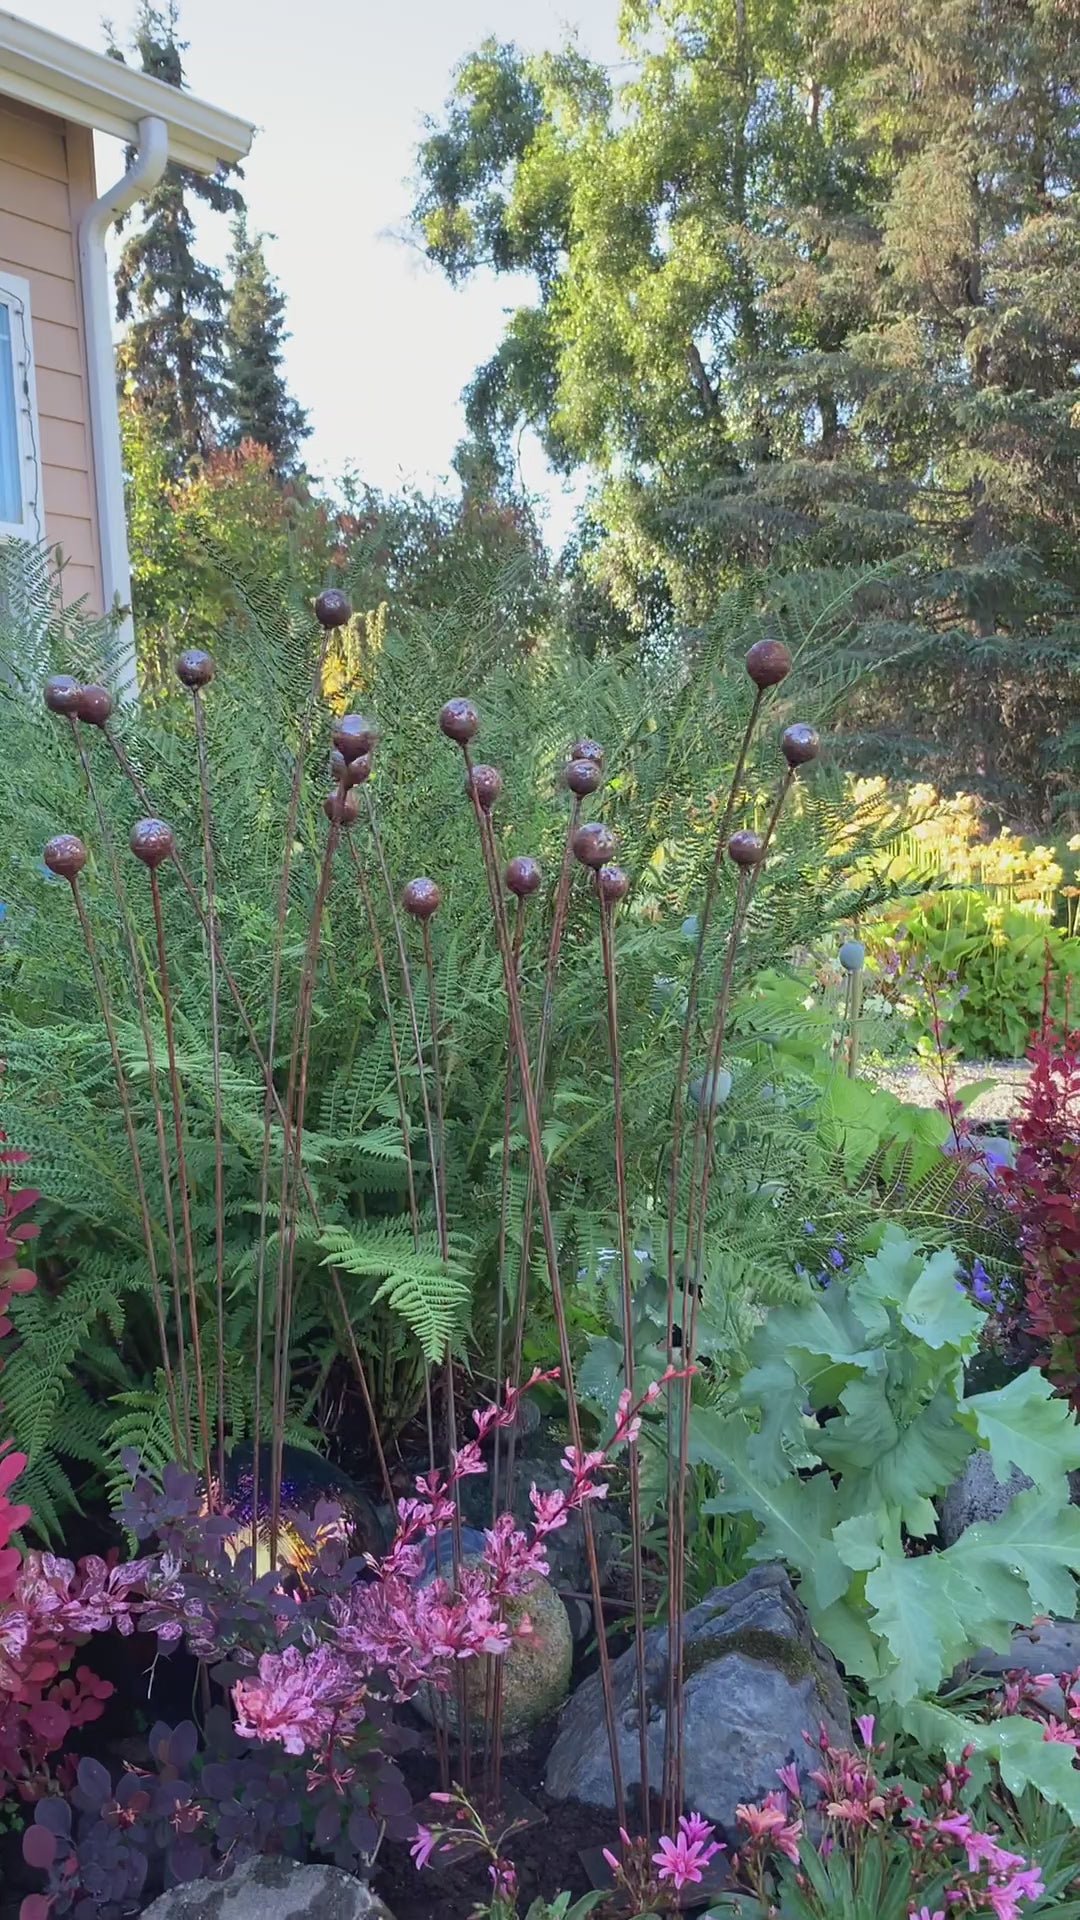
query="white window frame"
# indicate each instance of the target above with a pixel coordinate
(15, 295)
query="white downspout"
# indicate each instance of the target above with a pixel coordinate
(146, 169)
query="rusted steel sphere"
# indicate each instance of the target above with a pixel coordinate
(612, 884)
(350, 773)
(746, 849)
(522, 875)
(195, 668)
(151, 842)
(587, 750)
(354, 734)
(583, 776)
(485, 783)
(61, 694)
(594, 844)
(800, 744)
(332, 608)
(421, 898)
(342, 808)
(65, 855)
(459, 721)
(768, 662)
(94, 704)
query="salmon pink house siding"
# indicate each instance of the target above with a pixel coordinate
(46, 182)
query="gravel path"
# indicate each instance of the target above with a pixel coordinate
(999, 1102)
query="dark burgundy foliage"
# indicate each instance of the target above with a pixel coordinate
(1043, 1190)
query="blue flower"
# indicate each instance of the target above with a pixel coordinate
(834, 1257)
(808, 1226)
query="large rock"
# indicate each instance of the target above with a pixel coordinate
(977, 1494)
(755, 1677)
(535, 1671)
(272, 1889)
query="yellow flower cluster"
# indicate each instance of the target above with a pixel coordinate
(922, 832)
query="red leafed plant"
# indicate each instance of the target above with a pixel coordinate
(38, 1621)
(1043, 1189)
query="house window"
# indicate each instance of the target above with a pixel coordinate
(21, 513)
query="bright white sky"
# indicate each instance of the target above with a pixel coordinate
(381, 346)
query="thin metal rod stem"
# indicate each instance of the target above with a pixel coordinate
(266, 1070)
(291, 1164)
(215, 1051)
(551, 969)
(291, 814)
(187, 1451)
(181, 1175)
(136, 1162)
(547, 1229)
(607, 948)
(395, 1052)
(676, 1494)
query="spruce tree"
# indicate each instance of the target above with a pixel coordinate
(172, 355)
(260, 405)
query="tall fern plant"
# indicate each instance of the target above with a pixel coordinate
(372, 1282)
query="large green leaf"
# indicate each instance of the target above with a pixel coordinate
(822, 1341)
(934, 1609)
(1020, 1564)
(923, 1291)
(887, 1463)
(796, 1517)
(1016, 1743)
(938, 1311)
(1025, 1425)
(919, 1606)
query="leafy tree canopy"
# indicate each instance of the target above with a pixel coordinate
(806, 294)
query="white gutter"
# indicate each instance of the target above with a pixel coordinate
(92, 90)
(151, 157)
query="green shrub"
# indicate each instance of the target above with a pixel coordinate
(1001, 957)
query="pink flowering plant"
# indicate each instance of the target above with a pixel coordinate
(875, 1853)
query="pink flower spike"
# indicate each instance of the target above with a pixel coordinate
(924, 1913)
(423, 1846)
(788, 1777)
(865, 1724)
(444, 1799)
(610, 1858)
(696, 1828)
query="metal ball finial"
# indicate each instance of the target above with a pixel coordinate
(61, 694)
(342, 808)
(350, 773)
(354, 734)
(523, 875)
(746, 849)
(594, 844)
(332, 608)
(768, 662)
(94, 704)
(612, 884)
(459, 721)
(194, 668)
(421, 898)
(800, 744)
(587, 750)
(483, 783)
(151, 842)
(583, 776)
(65, 855)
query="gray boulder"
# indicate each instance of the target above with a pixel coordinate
(755, 1677)
(977, 1494)
(272, 1889)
